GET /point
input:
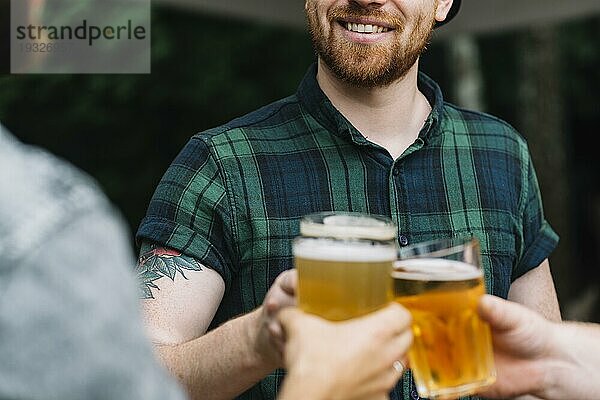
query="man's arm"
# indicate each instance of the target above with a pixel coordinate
(536, 290)
(182, 298)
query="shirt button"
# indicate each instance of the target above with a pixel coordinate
(396, 171)
(403, 240)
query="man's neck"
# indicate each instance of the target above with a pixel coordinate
(390, 116)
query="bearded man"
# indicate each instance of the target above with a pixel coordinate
(366, 132)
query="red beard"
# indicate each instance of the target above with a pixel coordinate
(368, 64)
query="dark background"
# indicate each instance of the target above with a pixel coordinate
(4, 37)
(124, 130)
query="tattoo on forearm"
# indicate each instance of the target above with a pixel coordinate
(156, 262)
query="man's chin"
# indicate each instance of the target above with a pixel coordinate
(359, 73)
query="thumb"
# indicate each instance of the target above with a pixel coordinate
(288, 317)
(502, 314)
(391, 316)
(289, 281)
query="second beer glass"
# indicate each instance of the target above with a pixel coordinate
(344, 261)
(440, 283)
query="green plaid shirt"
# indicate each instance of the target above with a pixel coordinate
(234, 195)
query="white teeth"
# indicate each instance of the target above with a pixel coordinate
(362, 28)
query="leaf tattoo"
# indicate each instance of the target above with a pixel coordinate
(157, 262)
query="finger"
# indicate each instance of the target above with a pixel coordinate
(397, 348)
(275, 329)
(289, 281)
(403, 343)
(382, 397)
(282, 292)
(493, 393)
(288, 316)
(398, 366)
(397, 371)
(278, 343)
(384, 381)
(504, 315)
(278, 299)
(390, 321)
(291, 317)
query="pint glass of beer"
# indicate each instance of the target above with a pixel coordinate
(440, 283)
(344, 261)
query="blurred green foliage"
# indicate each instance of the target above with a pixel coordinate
(126, 129)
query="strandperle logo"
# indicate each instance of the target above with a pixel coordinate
(85, 31)
(80, 36)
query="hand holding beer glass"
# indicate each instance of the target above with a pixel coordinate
(440, 283)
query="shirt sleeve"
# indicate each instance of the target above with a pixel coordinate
(539, 239)
(190, 211)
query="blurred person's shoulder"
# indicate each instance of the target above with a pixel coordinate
(40, 195)
(67, 268)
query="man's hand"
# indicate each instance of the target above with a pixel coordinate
(355, 359)
(550, 360)
(268, 342)
(524, 348)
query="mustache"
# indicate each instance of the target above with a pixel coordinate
(353, 11)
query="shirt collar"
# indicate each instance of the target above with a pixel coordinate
(314, 100)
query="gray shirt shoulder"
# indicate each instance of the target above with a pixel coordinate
(70, 327)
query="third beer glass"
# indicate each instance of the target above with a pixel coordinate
(344, 261)
(440, 283)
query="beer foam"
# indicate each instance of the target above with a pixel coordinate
(349, 226)
(343, 251)
(435, 269)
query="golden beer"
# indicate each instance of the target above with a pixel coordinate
(451, 355)
(338, 280)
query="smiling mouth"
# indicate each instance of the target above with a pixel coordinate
(363, 28)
